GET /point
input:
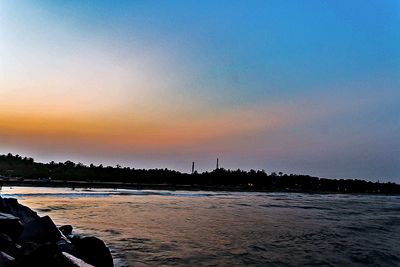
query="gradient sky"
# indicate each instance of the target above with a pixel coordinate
(306, 86)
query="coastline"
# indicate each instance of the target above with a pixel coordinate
(169, 187)
(23, 171)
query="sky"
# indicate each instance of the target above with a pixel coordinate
(304, 86)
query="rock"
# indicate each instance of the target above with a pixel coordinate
(41, 230)
(7, 245)
(11, 206)
(27, 248)
(66, 229)
(10, 225)
(66, 246)
(6, 260)
(45, 255)
(77, 262)
(93, 251)
(43, 244)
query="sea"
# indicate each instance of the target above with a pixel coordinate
(201, 228)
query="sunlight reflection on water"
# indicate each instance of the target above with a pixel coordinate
(147, 228)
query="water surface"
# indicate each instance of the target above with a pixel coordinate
(182, 228)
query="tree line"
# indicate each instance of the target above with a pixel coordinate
(15, 166)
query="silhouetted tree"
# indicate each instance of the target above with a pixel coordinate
(17, 166)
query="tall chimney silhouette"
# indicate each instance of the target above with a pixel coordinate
(192, 167)
(217, 164)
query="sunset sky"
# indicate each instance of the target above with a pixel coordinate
(308, 86)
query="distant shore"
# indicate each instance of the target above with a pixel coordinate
(22, 171)
(134, 186)
(169, 187)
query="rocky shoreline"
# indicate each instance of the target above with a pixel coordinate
(26, 239)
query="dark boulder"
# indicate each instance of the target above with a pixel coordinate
(41, 230)
(66, 229)
(7, 245)
(44, 255)
(66, 246)
(11, 206)
(26, 249)
(29, 240)
(74, 260)
(10, 225)
(6, 260)
(93, 251)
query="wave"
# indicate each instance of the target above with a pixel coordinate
(56, 195)
(91, 193)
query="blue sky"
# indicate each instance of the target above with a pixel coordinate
(298, 86)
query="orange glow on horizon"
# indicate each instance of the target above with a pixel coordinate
(126, 132)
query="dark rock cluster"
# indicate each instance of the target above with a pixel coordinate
(26, 239)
